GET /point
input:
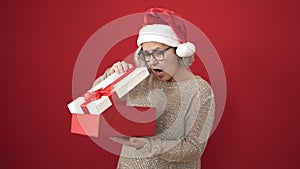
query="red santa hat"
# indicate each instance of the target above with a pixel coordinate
(165, 26)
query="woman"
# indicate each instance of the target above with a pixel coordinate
(184, 101)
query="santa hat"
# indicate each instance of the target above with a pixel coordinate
(165, 26)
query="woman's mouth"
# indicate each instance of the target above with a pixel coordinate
(157, 72)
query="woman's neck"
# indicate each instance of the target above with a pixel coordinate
(181, 74)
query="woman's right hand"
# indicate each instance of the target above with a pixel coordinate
(120, 67)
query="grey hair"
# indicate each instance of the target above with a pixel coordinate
(186, 61)
(137, 59)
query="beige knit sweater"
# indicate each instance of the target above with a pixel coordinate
(185, 114)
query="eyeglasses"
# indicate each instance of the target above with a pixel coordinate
(157, 54)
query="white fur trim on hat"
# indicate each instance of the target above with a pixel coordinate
(158, 33)
(164, 34)
(185, 49)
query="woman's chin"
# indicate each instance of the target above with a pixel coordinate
(165, 78)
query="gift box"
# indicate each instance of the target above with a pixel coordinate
(102, 112)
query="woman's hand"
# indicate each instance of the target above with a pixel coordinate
(121, 67)
(136, 142)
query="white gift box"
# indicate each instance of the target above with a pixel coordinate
(125, 82)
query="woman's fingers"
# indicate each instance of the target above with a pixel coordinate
(130, 65)
(121, 67)
(137, 142)
(120, 140)
(125, 66)
(115, 68)
(131, 141)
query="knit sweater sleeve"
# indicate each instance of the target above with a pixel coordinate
(198, 124)
(102, 77)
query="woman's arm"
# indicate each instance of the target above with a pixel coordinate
(198, 123)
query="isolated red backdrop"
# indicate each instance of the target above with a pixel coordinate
(257, 42)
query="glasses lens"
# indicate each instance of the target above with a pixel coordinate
(144, 55)
(159, 55)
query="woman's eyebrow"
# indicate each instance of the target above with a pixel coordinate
(158, 48)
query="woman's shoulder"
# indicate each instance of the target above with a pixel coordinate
(203, 86)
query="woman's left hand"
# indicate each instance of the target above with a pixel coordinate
(136, 142)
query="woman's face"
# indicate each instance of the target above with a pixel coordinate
(166, 69)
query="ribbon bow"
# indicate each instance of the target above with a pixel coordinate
(95, 95)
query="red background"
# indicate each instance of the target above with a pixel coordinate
(257, 42)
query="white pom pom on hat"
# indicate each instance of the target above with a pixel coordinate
(165, 26)
(185, 49)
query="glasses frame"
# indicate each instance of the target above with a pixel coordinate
(151, 54)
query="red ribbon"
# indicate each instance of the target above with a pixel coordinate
(107, 91)
(91, 96)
